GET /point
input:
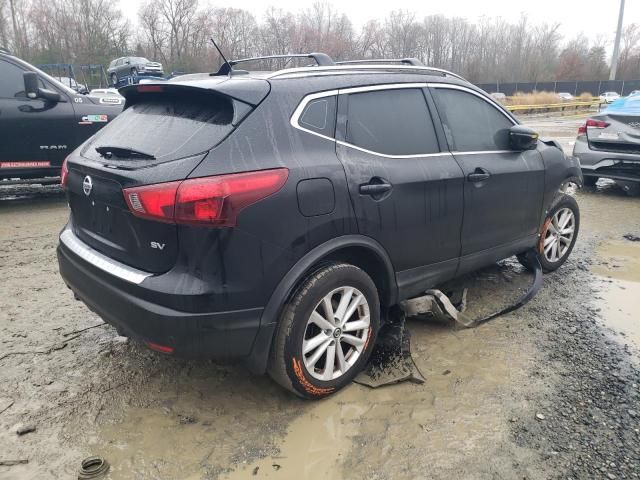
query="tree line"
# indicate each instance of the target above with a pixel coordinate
(177, 32)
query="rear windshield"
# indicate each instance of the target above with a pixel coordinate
(168, 127)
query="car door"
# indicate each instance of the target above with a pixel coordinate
(406, 192)
(503, 188)
(36, 133)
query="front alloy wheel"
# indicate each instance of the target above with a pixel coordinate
(559, 235)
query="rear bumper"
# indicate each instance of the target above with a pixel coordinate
(27, 172)
(219, 335)
(605, 164)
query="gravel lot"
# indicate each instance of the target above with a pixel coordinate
(549, 391)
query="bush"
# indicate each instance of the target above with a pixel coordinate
(534, 98)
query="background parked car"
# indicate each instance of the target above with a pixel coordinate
(72, 84)
(609, 97)
(634, 92)
(608, 145)
(124, 66)
(566, 96)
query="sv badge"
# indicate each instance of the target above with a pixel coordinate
(157, 245)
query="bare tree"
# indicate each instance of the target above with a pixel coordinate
(177, 32)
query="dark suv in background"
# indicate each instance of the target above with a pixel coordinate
(276, 216)
(125, 66)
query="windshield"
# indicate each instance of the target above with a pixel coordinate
(167, 127)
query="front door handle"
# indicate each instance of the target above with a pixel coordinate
(478, 175)
(374, 188)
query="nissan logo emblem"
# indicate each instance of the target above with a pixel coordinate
(87, 185)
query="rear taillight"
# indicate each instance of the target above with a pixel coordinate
(64, 173)
(215, 201)
(591, 123)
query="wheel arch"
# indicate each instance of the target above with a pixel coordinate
(359, 250)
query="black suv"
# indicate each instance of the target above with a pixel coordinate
(276, 216)
(42, 120)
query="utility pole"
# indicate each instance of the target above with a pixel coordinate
(616, 46)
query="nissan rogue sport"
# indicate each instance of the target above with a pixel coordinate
(275, 217)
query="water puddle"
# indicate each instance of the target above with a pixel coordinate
(316, 442)
(619, 279)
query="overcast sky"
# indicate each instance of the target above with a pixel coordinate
(589, 16)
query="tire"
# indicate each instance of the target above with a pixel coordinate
(630, 188)
(114, 79)
(565, 242)
(590, 181)
(297, 371)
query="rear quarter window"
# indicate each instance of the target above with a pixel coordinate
(168, 127)
(319, 116)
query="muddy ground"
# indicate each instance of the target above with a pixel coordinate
(549, 391)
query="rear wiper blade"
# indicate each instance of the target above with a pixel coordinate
(123, 152)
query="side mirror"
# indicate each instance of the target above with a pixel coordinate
(31, 87)
(33, 90)
(128, 62)
(522, 138)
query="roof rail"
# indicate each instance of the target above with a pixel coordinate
(321, 59)
(360, 68)
(409, 61)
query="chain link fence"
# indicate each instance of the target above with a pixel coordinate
(595, 88)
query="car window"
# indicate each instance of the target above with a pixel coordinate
(11, 80)
(167, 127)
(391, 122)
(471, 123)
(320, 116)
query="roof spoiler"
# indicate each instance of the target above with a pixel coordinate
(250, 90)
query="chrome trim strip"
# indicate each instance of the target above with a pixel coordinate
(98, 260)
(294, 121)
(417, 155)
(480, 152)
(387, 86)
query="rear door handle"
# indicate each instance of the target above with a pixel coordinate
(374, 188)
(479, 175)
